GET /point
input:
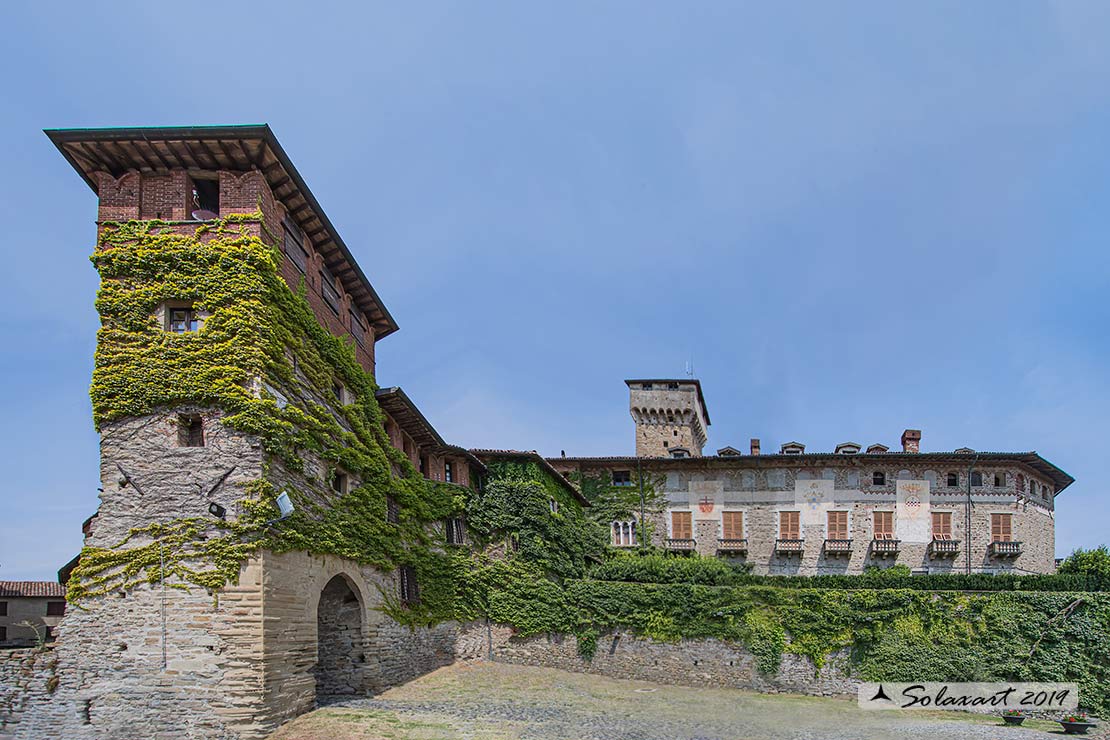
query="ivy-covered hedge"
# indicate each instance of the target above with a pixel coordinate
(714, 572)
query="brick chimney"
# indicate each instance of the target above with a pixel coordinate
(755, 445)
(911, 440)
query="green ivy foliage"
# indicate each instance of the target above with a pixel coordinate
(255, 328)
(609, 503)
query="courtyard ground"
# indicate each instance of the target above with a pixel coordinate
(494, 701)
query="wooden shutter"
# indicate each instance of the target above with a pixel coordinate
(681, 525)
(790, 525)
(1000, 527)
(838, 525)
(942, 525)
(732, 525)
(410, 591)
(884, 525)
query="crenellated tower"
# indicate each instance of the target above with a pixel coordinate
(671, 417)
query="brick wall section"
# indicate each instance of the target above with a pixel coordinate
(710, 663)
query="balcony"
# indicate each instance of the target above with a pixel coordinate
(838, 547)
(944, 548)
(680, 545)
(1005, 549)
(789, 547)
(732, 545)
(885, 548)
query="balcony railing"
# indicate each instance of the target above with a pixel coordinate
(885, 548)
(838, 547)
(944, 548)
(732, 545)
(789, 546)
(1005, 549)
(680, 545)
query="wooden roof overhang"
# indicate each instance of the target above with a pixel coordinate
(234, 148)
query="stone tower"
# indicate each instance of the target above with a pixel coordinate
(671, 417)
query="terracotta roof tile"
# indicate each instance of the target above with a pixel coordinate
(32, 589)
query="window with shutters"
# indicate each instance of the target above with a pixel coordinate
(790, 525)
(293, 244)
(838, 526)
(328, 291)
(1001, 527)
(732, 525)
(942, 525)
(358, 330)
(392, 510)
(456, 531)
(410, 591)
(682, 527)
(884, 525)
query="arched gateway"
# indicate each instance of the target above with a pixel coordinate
(341, 648)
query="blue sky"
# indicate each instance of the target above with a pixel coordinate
(853, 218)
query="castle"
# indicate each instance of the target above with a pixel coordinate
(795, 512)
(274, 529)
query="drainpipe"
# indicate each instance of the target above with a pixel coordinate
(967, 518)
(643, 525)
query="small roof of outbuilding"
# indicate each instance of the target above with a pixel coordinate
(32, 590)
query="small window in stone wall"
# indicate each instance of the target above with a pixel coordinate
(747, 480)
(204, 199)
(999, 480)
(976, 479)
(190, 430)
(853, 479)
(931, 476)
(1032, 488)
(3, 634)
(3, 608)
(878, 478)
(553, 505)
(1021, 482)
(952, 480)
(410, 591)
(776, 479)
(181, 319)
(339, 481)
(55, 608)
(622, 477)
(392, 510)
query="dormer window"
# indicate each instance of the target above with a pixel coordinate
(204, 199)
(792, 448)
(728, 452)
(877, 449)
(678, 452)
(847, 448)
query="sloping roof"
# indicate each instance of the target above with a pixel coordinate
(235, 148)
(533, 456)
(402, 410)
(687, 381)
(32, 589)
(1060, 479)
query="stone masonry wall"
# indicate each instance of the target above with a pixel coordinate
(710, 663)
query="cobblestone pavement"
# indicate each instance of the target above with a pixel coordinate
(494, 701)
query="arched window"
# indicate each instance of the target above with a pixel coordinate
(953, 480)
(747, 480)
(853, 479)
(878, 478)
(931, 476)
(976, 479)
(624, 534)
(904, 475)
(1021, 482)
